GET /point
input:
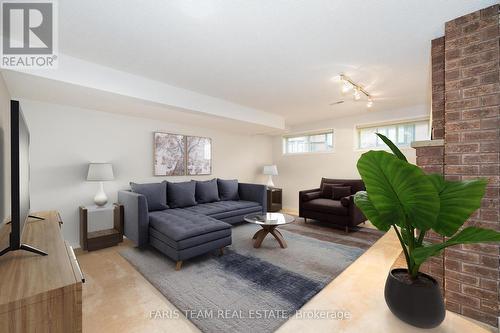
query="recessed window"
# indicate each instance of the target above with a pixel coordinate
(316, 142)
(402, 134)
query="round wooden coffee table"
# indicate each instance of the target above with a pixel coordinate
(269, 223)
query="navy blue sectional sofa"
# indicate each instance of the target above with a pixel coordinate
(187, 219)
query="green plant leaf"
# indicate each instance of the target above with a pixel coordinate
(437, 180)
(466, 236)
(458, 200)
(363, 202)
(393, 147)
(398, 190)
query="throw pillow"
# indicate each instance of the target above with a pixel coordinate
(156, 194)
(207, 191)
(326, 190)
(341, 192)
(181, 194)
(228, 189)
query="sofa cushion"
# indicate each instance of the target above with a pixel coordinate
(237, 212)
(155, 193)
(178, 224)
(220, 207)
(341, 192)
(326, 206)
(191, 241)
(181, 194)
(327, 190)
(207, 191)
(228, 189)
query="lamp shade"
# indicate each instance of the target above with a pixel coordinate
(270, 170)
(100, 172)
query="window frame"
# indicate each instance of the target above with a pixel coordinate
(396, 124)
(308, 134)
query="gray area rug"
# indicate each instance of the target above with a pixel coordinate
(246, 289)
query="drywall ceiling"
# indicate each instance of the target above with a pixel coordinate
(273, 56)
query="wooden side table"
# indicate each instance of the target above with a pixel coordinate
(274, 199)
(93, 237)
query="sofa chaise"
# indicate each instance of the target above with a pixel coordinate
(187, 219)
(333, 202)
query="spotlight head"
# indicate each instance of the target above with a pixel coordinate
(346, 86)
(356, 94)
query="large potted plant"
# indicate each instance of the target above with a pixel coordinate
(401, 196)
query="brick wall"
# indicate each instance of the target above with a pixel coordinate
(430, 157)
(466, 113)
(437, 78)
(472, 142)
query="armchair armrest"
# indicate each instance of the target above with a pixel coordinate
(355, 214)
(311, 196)
(136, 217)
(255, 193)
(302, 198)
(308, 193)
(347, 201)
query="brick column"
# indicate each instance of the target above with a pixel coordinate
(437, 75)
(472, 141)
(430, 157)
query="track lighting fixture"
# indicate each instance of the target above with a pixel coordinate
(348, 84)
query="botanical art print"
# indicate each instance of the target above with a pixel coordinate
(179, 155)
(170, 156)
(199, 155)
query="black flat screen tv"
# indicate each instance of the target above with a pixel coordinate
(20, 180)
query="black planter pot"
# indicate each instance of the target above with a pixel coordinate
(418, 303)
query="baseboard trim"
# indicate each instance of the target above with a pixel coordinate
(290, 211)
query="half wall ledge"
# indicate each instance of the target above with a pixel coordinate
(427, 143)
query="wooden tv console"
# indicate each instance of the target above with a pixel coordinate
(40, 293)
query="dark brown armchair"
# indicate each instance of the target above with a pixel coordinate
(319, 203)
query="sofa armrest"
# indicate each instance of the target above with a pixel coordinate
(136, 217)
(356, 216)
(347, 201)
(304, 192)
(310, 196)
(302, 199)
(254, 192)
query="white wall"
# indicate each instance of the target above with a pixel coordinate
(4, 151)
(65, 139)
(304, 171)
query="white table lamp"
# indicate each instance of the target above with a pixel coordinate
(100, 172)
(270, 170)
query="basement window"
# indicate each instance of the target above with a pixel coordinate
(402, 134)
(317, 142)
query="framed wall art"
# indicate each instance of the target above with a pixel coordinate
(199, 155)
(169, 154)
(180, 155)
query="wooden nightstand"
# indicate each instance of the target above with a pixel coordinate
(274, 199)
(101, 227)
